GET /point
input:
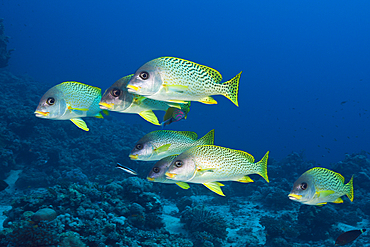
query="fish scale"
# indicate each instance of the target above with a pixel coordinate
(327, 179)
(80, 95)
(161, 143)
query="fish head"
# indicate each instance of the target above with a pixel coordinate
(182, 168)
(142, 150)
(52, 104)
(146, 81)
(303, 189)
(116, 97)
(157, 173)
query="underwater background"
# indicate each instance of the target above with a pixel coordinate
(303, 96)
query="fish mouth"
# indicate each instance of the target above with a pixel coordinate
(133, 157)
(104, 105)
(170, 175)
(150, 179)
(133, 88)
(41, 113)
(294, 197)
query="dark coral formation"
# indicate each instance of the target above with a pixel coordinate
(4, 52)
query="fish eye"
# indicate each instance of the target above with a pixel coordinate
(144, 75)
(156, 169)
(50, 101)
(178, 163)
(115, 92)
(303, 186)
(139, 146)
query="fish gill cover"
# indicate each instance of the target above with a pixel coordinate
(303, 96)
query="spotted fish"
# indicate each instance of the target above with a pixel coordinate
(70, 101)
(318, 186)
(157, 173)
(178, 80)
(209, 164)
(117, 98)
(161, 143)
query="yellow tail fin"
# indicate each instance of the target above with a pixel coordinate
(349, 189)
(263, 164)
(232, 89)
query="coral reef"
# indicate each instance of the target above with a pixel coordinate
(72, 173)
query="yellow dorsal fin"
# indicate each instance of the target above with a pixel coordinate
(162, 148)
(183, 185)
(207, 139)
(190, 134)
(245, 179)
(80, 123)
(248, 156)
(208, 100)
(215, 187)
(149, 116)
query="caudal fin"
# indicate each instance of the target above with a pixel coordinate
(263, 166)
(232, 87)
(349, 189)
(207, 139)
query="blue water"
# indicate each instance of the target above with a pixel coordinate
(305, 64)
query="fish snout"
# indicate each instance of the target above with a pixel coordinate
(133, 156)
(170, 175)
(132, 88)
(41, 113)
(104, 105)
(294, 197)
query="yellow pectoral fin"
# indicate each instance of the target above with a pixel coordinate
(321, 204)
(178, 101)
(245, 179)
(78, 109)
(215, 187)
(338, 200)
(183, 185)
(149, 116)
(80, 123)
(162, 148)
(208, 100)
(176, 88)
(324, 193)
(201, 171)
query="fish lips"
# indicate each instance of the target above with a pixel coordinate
(133, 156)
(105, 106)
(41, 114)
(133, 89)
(294, 197)
(170, 175)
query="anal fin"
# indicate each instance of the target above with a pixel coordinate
(183, 185)
(149, 116)
(245, 179)
(215, 187)
(338, 200)
(80, 123)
